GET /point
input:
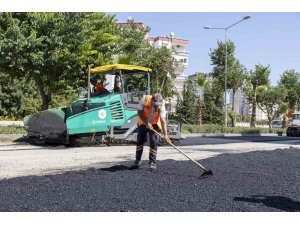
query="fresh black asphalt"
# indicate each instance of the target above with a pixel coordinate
(199, 140)
(254, 181)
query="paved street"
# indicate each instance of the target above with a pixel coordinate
(247, 176)
(205, 140)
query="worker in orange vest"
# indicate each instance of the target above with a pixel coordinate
(99, 87)
(290, 113)
(151, 115)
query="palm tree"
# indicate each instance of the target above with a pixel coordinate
(201, 81)
(258, 77)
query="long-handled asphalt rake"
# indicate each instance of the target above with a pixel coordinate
(206, 171)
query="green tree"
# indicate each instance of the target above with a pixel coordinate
(236, 78)
(290, 80)
(271, 101)
(217, 57)
(235, 71)
(201, 82)
(134, 48)
(213, 113)
(186, 109)
(18, 97)
(132, 40)
(255, 79)
(160, 60)
(53, 49)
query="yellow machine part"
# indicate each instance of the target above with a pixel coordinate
(123, 67)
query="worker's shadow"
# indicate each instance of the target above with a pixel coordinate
(116, 168)
(279, 202)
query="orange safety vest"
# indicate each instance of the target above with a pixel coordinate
(147, 109)
(290, 113)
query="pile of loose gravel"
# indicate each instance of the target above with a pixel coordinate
(253, 181)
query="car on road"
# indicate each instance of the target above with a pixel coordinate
(276, 124)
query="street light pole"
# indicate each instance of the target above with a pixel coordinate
(226, 59)
(225, 80)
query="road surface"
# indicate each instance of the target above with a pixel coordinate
(247, 176)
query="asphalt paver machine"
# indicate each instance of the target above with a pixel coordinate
(106, 117)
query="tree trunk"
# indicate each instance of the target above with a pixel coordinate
(253, 115)
(284, 122)
(162, 85)
(49, 95)
(46, 98)
(199, 112)
(157, 85)
(270, 124)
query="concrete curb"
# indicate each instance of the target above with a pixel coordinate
(15, 137)
(227, 135)
(11, 137)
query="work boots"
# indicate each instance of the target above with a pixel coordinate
(152, 165)
(137, 164)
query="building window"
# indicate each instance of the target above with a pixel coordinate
(184, 60)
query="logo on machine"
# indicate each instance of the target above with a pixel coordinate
(102, 114)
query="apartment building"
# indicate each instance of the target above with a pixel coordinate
(179, 50)
(244, 107)
(180, 56)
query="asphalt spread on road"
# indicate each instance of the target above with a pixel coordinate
(254, 181)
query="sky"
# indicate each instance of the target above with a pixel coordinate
(270, 37)
(267, 38)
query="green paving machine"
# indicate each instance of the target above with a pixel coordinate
(105, 117)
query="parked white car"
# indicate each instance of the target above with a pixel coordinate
(276, 124)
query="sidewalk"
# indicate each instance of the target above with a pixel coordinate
(10, 123)
(11, 137)
(14, 137)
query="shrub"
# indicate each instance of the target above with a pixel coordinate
(12, 130)
(219, 129)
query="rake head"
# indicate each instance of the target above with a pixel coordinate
(206, 174)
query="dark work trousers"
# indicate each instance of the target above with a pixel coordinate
(141, 139)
